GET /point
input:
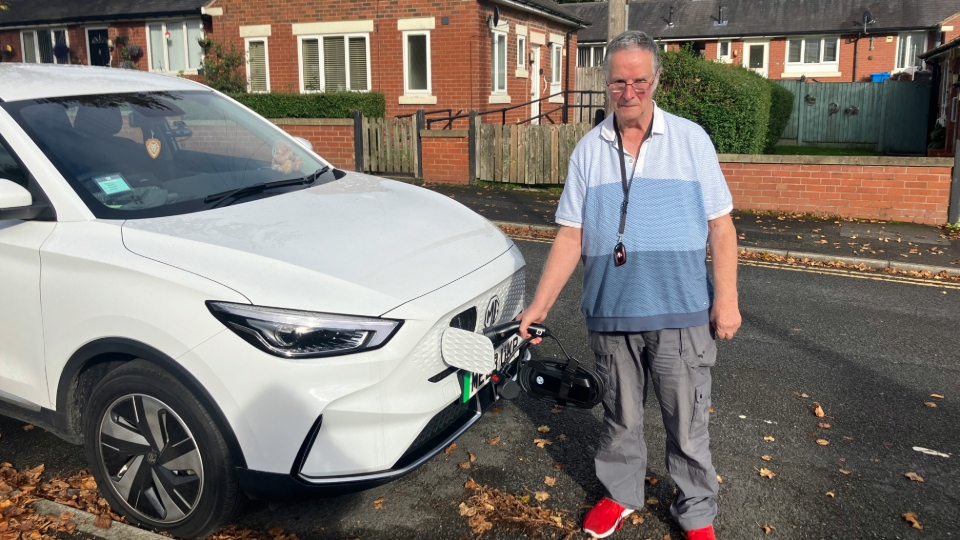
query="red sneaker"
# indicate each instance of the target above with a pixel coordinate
(605, 518)
(705, 533)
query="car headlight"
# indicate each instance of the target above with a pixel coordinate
(303, 334)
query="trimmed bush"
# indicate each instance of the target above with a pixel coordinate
(781, 107)
(320, 105)
(731, 103)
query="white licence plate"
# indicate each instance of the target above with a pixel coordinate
(503, 355)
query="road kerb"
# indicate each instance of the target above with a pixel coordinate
(877, 264)
(84, 521)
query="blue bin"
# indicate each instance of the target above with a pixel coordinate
(880, 77)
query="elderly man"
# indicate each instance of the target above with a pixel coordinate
(643, 199)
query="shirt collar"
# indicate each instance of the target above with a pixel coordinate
(658, 127)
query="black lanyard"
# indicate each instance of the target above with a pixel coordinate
(619, 251)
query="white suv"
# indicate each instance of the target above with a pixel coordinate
(210, 308)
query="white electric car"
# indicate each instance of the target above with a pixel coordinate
(211, 309)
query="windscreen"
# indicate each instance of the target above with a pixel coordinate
(159, 153)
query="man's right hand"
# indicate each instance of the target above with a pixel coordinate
(531, 315)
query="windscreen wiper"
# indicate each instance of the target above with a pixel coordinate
(258, 188)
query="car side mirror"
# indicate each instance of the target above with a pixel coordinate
(17, 203)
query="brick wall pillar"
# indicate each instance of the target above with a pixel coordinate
(446, 156)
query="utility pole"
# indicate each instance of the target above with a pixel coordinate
(616, 18)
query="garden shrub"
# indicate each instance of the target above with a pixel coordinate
(319, 105)
(781, 107)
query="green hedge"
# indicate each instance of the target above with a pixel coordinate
(781, 107)
(734, 105)
(320, 105)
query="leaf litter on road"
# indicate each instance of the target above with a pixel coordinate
(913, 519)
(487, 506)
(914, 476)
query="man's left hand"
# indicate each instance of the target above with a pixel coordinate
(725, 320)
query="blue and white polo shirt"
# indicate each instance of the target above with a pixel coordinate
(677, 188)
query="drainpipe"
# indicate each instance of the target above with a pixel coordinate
(566, 79)
(856, 48)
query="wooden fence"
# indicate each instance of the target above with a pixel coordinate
(523, 154)
(389, 145)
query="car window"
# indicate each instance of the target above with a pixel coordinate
(9, 168)
(151, 154)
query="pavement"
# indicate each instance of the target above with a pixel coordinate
(872, 243)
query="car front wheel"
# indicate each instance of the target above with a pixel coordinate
(156, 453)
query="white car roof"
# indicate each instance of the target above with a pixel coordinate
(32, 81)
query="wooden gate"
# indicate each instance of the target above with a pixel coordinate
(523, 154)
(389, 145)
(889, 116)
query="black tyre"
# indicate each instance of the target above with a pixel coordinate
(157, 455)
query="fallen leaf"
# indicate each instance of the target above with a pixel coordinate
(719, 479)
(556, 410)
(913, 519)
(938, 396)
(766, 458)
(277, 531)
(914, 476)
(559, 466)
(768, 438)
(496, 410)
(652, 501)
(711, 410)
(823, 442)
(493, 441)
(103, 521)
(652, 480)
(465, 465)
(823, 425)
(818, 410)
(541, 496)
(525, 499)
(636, 519)
(472, 457)
(844, 471)
(89, 483)
(541, 443)
(847, 437)
(450, 448)
(377, 505)
(549, 480)
(767, 529)
(930, 404)
(562, 437)
(471, 484)
(544, 429)
(830, 494)
(467, 510)
(27, 427)
(767, 473)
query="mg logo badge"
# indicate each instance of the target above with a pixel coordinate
(493, 312)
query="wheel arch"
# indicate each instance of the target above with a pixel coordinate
(92, 362)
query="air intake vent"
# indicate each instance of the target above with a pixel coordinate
(466, 320)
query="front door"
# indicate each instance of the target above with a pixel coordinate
(23, 378)
(535, 84)
(756, 56)
(97, 45)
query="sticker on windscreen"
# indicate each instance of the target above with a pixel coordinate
(112, 184)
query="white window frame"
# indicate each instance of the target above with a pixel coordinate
(36, 42)
(323, 83)
(266, 61)
(809, 67)
(725, 58)
(495, 36)
(897, 68)
(591, 55)
(556, 67)
(86, 37)
(166, 51)
(406, 68)
(521, 52)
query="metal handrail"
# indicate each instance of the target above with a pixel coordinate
(503, 111)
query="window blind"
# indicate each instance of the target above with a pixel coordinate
(258, 66)
(310, 54)
(334, 64)
(358, 64)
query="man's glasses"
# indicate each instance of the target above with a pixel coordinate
(619, 87)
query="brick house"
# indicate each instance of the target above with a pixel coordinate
(829, 40)
(946, 62)
(421, 54)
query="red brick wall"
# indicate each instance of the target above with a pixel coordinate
(446, 158)
(899, 192)
(333, 143)
(955, 23)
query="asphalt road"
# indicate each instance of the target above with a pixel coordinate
(869, 351)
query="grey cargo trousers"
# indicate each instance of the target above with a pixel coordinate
(678, 362)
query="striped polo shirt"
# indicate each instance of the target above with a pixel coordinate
(677, 188)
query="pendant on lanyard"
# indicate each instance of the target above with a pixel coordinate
(619, 251)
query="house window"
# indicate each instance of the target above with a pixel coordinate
(590, 55)
(416, 60)
(723, 50)
(41, 46)
(909, 46)
(333, 63)
(173, 45)
(556, 63)
(258, 70)
(521, 52)
(499, 63)
(817, 52)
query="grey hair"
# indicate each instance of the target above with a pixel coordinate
(632, 40)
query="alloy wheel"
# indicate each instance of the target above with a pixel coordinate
(152, 459)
